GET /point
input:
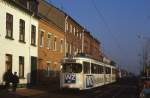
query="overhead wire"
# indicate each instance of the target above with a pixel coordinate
(100, 15)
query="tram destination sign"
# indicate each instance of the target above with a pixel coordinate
(70, 60)
(70, 78)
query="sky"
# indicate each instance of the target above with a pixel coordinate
(116, 24)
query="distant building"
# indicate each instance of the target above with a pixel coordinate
(18, 38)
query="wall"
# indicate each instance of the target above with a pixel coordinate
(14, 47)
(53, 57)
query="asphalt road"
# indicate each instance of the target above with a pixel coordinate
(125, 88)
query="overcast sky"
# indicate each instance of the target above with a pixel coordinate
(116, 23)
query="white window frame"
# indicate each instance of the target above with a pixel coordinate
(61, 45)
(41, 31)
(49, 45)
(55, 44)
(74, 31)
(67, 26)
(70, 28)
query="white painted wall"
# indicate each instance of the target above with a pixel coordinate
(14, 47)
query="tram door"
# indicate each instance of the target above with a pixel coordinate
(88, 78)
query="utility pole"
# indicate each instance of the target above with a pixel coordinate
(146, 56)
(83, 41)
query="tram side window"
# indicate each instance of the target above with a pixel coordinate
(86, 67)
(94, 68)
(113, 71)
(108, 70)
(72, 67)
(101, 70)
(97, 69)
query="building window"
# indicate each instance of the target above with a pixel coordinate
(8, 62)
(33, 35)
(55, 44)
(41, 38)
(80, 35)
(70, 28)
(22, 31)
(67, 26)
(9, 26)
(67, 48)
(47, 71)
(77, 32)
(70, 48)
(74, 31)
(49, 41)
(21, 66)
(61, 45)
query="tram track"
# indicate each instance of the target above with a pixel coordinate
(120, 91)
(108, 92)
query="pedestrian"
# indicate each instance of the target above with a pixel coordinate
(7, 78)
(15, 81)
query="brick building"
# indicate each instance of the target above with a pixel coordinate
(50, 50)
(73, 35)
(92, 46)
(50, 42)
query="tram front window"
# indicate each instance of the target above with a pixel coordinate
(72, 68)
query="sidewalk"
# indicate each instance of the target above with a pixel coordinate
(39, 90)
(36, 91)
(21, 93)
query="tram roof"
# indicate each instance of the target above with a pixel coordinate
(88, 58)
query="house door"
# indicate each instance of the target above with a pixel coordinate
(33, 70)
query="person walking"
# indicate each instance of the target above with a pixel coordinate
(15, 81)
(8, 78)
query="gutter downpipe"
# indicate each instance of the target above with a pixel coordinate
(65, 34)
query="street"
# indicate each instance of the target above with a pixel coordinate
(125, 88)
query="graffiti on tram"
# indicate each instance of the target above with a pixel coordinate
(89, 81)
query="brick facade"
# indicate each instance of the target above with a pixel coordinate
(92, 46)
(49, 55)
(73, 37)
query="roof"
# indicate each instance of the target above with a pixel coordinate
(52, 13)
(57, 16)
(22, 7)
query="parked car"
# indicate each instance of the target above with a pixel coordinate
(145, 86)
(145, 93)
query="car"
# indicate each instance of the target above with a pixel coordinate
(145, 93)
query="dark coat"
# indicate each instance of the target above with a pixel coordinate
(8, 77)
(15, 79)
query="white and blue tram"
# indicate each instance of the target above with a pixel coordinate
(85, 73)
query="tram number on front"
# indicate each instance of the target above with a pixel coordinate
(89, 81)
(70, 78)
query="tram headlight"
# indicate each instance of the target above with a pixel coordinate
(61, 67)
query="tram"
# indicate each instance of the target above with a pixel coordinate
(85, 73)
